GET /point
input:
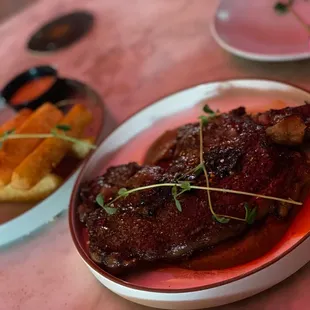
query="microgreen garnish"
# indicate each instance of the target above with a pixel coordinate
(174, 192)
(212, 189)
(287, 7)
(10, 134)
(110, 210)
(202, 163)
(250, 214)
(221, 219)
(281, 7)
(63, 127)
(198, 170)
(100, 201)
(123, 192)
(5, 135)
(185, 185)
(207, 109)
(204, 119)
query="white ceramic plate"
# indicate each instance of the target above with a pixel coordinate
(253, 30)
(18, 220)
(164, 288)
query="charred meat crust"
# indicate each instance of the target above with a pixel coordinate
(148, 228)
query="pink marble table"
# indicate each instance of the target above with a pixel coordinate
(9, 7)
(138, 51)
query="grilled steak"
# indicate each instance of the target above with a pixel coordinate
(241, 152)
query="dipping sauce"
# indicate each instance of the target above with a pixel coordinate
(32, 89)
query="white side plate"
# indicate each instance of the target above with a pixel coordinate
(45, 211)
(253, 30)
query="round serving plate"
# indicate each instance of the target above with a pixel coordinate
(20, 219)
(175, 287)
(254, 30)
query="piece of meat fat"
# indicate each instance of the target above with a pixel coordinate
(288, 131)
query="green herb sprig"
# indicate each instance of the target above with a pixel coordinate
(250, 214)
(126, 192)
(180, 187)
(282, 8)
(287, 7)
(10, 134)
(185, 186)
(100, 201)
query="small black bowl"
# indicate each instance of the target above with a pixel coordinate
(56, 92)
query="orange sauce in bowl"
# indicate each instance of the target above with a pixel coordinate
(32, 89)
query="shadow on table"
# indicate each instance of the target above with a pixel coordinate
(289, 294)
